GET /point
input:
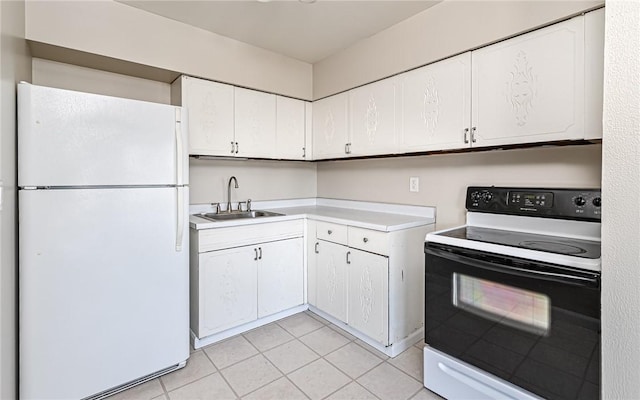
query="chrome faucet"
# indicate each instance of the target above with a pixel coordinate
(233, 178)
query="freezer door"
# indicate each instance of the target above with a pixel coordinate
(103, 290)
(68, 138)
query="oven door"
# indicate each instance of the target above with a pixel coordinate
(533, 324)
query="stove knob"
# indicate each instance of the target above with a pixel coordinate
(580, 201)
(486, 196)
(475, 196)
(597, 202)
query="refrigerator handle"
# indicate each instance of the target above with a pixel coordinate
(179, 148)
(180, 222)
(179, 181)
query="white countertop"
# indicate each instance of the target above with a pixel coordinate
(377, 216)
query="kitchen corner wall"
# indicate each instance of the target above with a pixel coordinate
(14, 66)
(621, 193)
(445, 177)
(257, 180)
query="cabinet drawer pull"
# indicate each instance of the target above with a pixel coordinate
(260, 251)
(473, 134)
(256, 257)
(317, 251)
(466, 137)
(348, 260)
(233, 148)
(237, 147)
(365, 240)
(329, 231)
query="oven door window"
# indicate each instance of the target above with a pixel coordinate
(533, 324)
(508, 305)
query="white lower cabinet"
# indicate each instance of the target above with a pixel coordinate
(368, 277)
(280, 276)
(228, 289)
(331, 275)
(371, 282)
(239, 275)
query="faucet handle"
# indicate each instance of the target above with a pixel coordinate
(218, 210)
(249, 205)
(240, 206)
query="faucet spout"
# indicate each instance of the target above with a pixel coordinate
(233, 178)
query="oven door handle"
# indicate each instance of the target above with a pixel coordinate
(592, 281)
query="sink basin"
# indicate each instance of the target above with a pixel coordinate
(238, 215)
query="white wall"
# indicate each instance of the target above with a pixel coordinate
(448, 28)
(257, 180)
(118, 31)
(14, 66)
(444, 178)
(621, 212)
(72, 77)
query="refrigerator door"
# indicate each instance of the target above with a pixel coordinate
(69, 138)
(103, 290)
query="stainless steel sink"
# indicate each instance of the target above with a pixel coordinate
(237, 215)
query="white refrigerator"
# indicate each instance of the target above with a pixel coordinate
(103, 242)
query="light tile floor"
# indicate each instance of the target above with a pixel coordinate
(299, 357)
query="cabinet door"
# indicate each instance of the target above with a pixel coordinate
(369, 294)
(210, 109)
(290, 128)
(331, 278)
(436, 106)
(255, 119)
(530, 88)
(330, 127)
(280, 279)
(372, 122)
(227, 289)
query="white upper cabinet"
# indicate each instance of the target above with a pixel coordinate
(436, 106)
(210, 108)
(290, 128)
(593, 73)
(330, 129)
(530, 88)
(255, 122)
(372, 119)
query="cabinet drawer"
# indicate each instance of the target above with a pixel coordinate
(332, 232)
(369, 240)
(236, 236)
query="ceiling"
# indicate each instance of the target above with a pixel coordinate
(307, 32)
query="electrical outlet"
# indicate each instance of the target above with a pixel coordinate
(414, 184)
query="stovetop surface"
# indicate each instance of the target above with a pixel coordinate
(550, 244)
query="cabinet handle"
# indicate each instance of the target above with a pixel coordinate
(466, 138)
(304, 152)
(329, 231)
(260, 251)
(317, 251)
(365, 240)
(237, 147)
(473, 134)
(348, 148)
(233, 149)
(256, 257)
(348, 254)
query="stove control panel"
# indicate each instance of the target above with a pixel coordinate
(579, 204)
